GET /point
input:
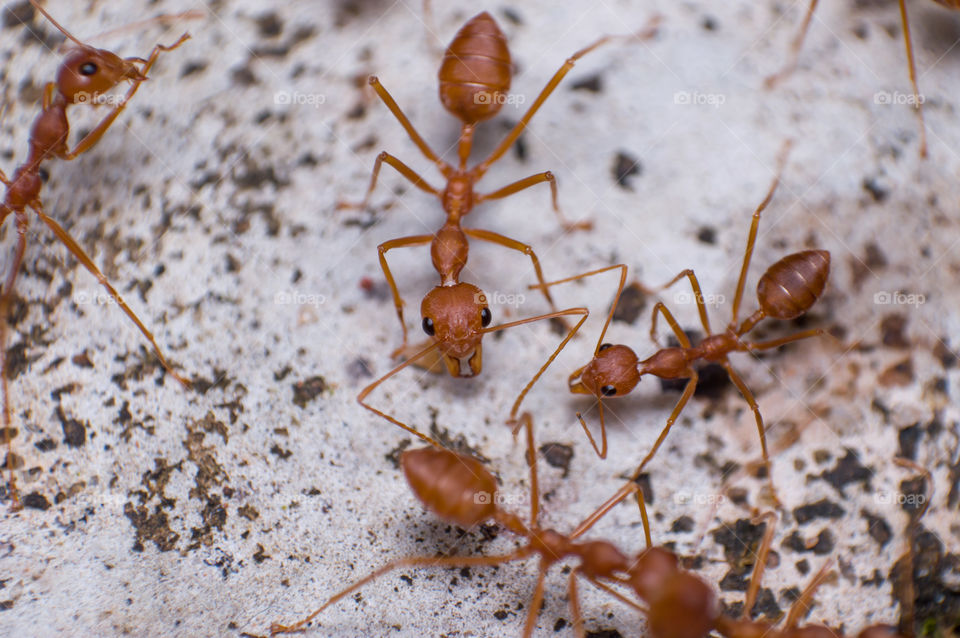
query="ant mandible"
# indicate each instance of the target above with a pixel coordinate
(85, 73)
(787, 290)
(797, 44)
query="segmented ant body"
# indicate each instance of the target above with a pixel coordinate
(85, 73)
(459, 489)
(787, 290)
(474, 79)
(797, 45)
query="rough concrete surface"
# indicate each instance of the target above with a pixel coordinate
(211, 205)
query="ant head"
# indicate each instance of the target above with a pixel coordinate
(87, 72)
(612, 372)
(455, 316)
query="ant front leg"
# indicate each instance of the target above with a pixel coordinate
(698, 298)
(533, 180)
(684, 398)
(668, 316)
(403, 242)
(401, 168)
(502, 240)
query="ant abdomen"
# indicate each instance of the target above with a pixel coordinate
(791, 286)
(475, 72)
(456, 487)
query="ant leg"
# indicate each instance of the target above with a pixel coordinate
(630, 487)
(668, 316)
(94, 136)
(616, 298)
(535, 603)
(687, 393)
(575, 613)
(533, 180)
(526, 420)
(502, 240)
(602, 450)
(795, 47)
(373, 386)
(759, 567)
(82, 257)
(648, 32)
(5, 299)
(776, 343)
(407, 126)
(401, 168)
(421, 561)
(752, 402)
(752, 237)
(403, 242)
(918, 103)
(801, 606)
(582, 312)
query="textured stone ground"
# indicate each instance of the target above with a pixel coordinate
(211, 205)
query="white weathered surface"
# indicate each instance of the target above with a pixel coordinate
(166, 187)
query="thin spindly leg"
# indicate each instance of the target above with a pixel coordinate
(574, 593)
(513, 244)
(776, 343)
(5, 299)
(677, 331)
(527, 422)
(533, 180)
(82, 257)
(6, 182)
(373, 386)
(402, 242)
(628, 488)
(752, 402)
(648, 32)
(423, 561)
(583, 313)
(535, 603)
(756, 578)
(401, 168)
(918, 102)
(407, 126)
(697, 297)
(94, 136)
(687, 393)
(795, 47)
(801, 607)
(616, 298)
(602, 450)
(752, 237)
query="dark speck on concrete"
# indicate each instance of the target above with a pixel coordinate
(626, 166)
(306, 391)
(820, 509)
(878, 528)
(558, 455)
(847, 470)
(631, 303)
(36, 501)
(592, 83)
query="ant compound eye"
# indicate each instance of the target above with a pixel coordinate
(604, 347)
(486, 317)
(608, 390)
(428, 326)
(88, 68)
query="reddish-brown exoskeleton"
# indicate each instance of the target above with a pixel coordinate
(788, 289)
(86, 74)
(474, 79)
(459, 489)
(797, 44)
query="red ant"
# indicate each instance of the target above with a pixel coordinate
(459, 489)
(85, 74)
(474, 79)
(787, 290)
(797, 44)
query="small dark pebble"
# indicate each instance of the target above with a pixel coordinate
(306, 391)
(36, 501)
(626, 166)
(558, 455)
